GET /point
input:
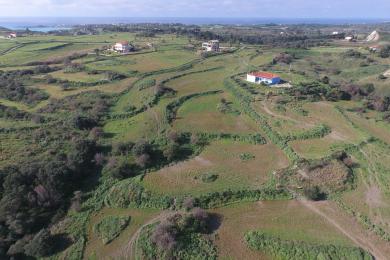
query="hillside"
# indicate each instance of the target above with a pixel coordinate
(168, 152)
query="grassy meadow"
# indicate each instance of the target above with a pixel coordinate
(171, 90)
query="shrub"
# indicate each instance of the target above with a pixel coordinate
(208, 177)
(314, 193)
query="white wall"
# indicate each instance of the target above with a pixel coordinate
(251, 78)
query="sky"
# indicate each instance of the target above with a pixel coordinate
(195, 8)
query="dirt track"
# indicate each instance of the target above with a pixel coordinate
(379, 248)
(129, 251)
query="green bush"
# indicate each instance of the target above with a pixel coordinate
(110, 227)
(249, 138)
(208, 177)
(216, 199)
(247, 157)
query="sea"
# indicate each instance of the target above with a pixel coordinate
(45, 24)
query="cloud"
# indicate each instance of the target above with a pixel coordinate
(197, 8)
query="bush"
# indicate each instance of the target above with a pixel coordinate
(208, 177)
(314, 193)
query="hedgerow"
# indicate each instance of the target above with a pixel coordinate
(297, 250)
(316, 132)
(249, 138)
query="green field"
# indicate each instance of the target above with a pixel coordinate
(107, 160)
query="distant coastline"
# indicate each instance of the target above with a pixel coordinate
(55, 23)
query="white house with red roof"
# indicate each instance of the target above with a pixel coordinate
(123, 47)
(375, 48)
(263, 77)
(12, 35)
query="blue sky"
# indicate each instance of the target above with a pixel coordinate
(197, 8)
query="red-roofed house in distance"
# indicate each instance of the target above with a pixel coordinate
(123, 47)
(263, 77)
(12, 35)
(375, 48)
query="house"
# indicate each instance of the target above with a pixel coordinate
(349, 38)
(375, 48)
(263, 77)
(211, 45)
(12, 35)
(123, 47)
(335, 33)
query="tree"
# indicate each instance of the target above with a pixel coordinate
(41, 245)
(385, 52)
(314, 193)
(143, 160)
(97, 51)
(171, 151)
(173, 136)
(96, 133)
(119, 169)
(141, 147)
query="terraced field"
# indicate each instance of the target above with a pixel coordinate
(174, 130)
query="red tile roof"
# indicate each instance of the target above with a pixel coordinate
(266, 75)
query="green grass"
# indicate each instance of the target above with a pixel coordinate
(78, 76)
(221, 158)
(110, 227)
(145, 62)
(201, 115)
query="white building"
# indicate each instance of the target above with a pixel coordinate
(11, 35)
(211, 45)
(263, 77)
(375, 48)
(123, 47)
(349, 38)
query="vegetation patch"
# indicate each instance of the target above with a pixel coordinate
(288, 249)
(110, 227)
(179, 236)
(320, 178)
(209, 177)
(247, 157)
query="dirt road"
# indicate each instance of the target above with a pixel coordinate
(328, 210)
